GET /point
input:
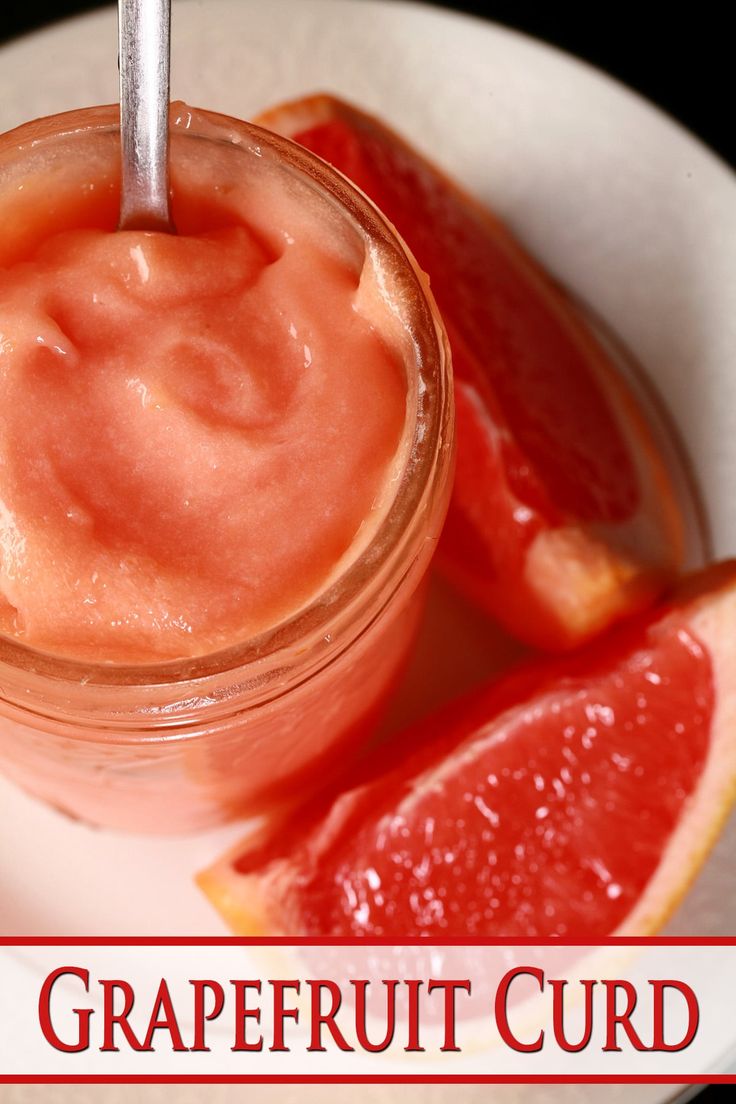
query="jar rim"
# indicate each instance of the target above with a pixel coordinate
(432, 432)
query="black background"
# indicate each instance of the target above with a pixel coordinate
(682, 58)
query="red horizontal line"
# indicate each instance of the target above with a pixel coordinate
(348, 941)
(364, 1079)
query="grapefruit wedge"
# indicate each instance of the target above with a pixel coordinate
(572, 798)
(563, 518)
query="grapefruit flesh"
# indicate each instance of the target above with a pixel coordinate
(571, 798)
(563, 518)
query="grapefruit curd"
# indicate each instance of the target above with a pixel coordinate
(197, 428)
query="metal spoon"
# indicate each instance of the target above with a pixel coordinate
(144, 29)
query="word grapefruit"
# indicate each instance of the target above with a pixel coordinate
(563, 518)
(572, 798)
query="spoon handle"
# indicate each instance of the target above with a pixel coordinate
(144, 28)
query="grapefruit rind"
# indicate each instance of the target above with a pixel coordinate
(583, 587)
(240, 899)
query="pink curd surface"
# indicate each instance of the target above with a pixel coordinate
(197, 430)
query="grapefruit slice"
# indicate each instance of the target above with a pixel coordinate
(563, 518)
(572, 798)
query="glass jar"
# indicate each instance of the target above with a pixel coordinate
(179, 745)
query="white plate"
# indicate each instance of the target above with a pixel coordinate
(626, 207)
